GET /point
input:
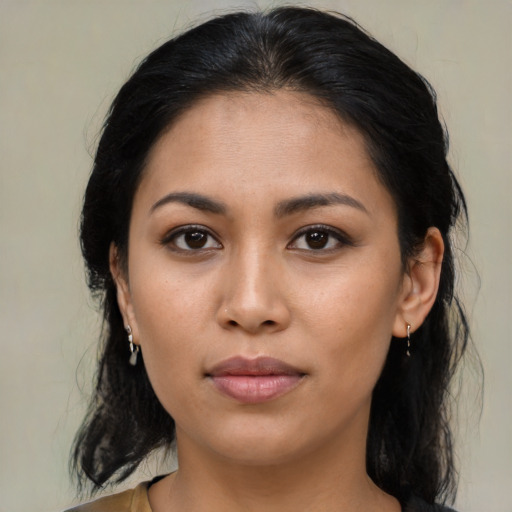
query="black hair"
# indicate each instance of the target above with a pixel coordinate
(409, 447)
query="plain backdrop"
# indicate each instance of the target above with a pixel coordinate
(61, 62)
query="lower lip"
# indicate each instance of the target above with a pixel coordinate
(254, 389)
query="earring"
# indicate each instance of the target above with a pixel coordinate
(134, 349)
(408, 351)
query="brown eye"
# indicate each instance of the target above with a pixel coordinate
(316, 239)
(196, 239)
(319, 238)
(191, 238)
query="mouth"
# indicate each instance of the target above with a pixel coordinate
(253, 381)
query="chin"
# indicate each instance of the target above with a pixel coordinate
(246, 441)
(262, 444)
(260, 454)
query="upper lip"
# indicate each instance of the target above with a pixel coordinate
(259, 366)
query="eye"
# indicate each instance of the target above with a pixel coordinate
(316, 238)
(191, 238)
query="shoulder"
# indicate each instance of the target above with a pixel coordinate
(133, 500)
(418, 505)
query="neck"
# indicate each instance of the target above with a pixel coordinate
(330, 479)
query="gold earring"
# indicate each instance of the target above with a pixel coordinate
(408, 351)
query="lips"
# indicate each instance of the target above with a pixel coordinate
(253, 381)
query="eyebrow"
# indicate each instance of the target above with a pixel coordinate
(283, 208)
(194, 200)
(308, 202)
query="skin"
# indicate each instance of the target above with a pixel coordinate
(258, 288)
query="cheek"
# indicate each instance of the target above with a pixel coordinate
(167, 301)
(171, 317)
(351, 321)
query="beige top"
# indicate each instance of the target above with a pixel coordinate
(136, 500)
(133, 500)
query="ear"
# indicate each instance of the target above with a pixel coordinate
(124, 300)
(420, 285)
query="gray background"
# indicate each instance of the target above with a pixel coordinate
(61, 62)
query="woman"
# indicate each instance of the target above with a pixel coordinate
(267, 225)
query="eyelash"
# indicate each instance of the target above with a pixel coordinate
(341, 238)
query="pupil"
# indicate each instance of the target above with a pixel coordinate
(196, 239)
(317, 239)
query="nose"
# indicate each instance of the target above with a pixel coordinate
(253, 299)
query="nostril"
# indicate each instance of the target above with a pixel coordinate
(270, 323)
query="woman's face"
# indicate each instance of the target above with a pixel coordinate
(264, 277)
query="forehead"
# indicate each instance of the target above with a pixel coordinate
(244, 142)
(283, 108)
(243, 117)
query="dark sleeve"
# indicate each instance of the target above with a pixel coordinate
(418, 505)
